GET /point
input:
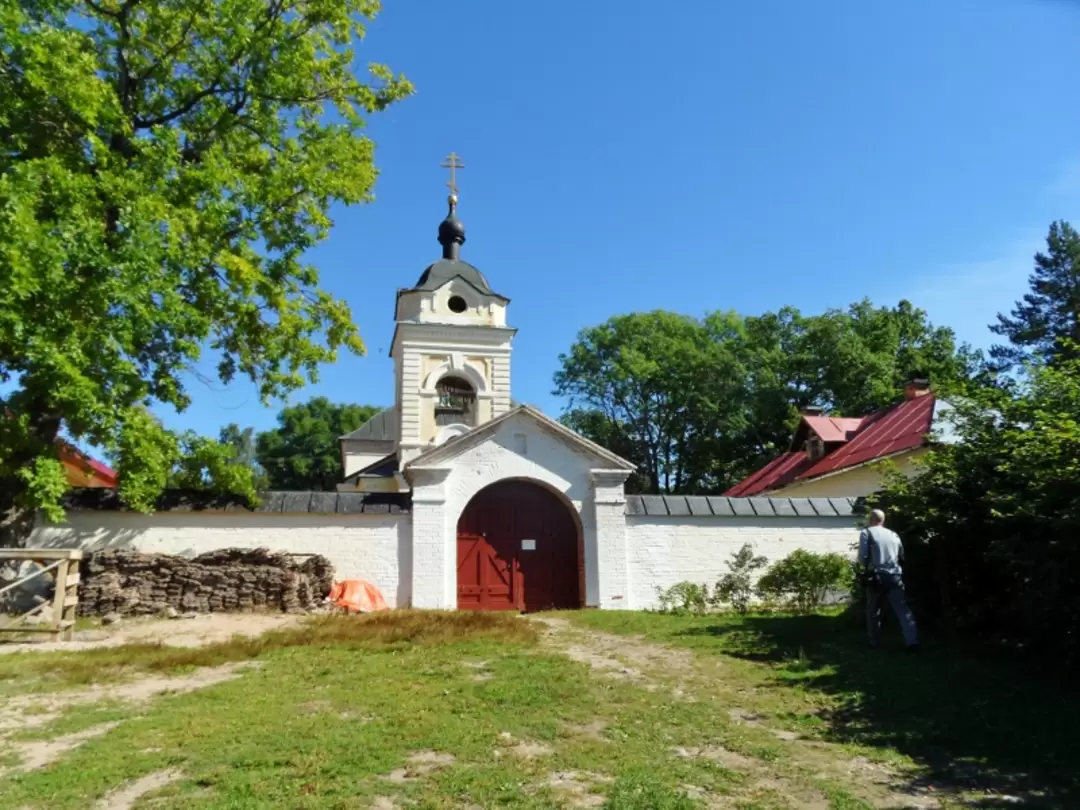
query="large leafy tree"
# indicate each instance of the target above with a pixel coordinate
(1045, 324)
(991, 525)
(303, 452)
(641, 374)
(700, 403)
(164, 166)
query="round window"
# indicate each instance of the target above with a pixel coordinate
(457, 304)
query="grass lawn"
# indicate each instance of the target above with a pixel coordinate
(452, 710)
(961, 718)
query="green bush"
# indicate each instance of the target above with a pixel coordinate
(736, 588)
(803, 579)
(991, 526)
(684, 598)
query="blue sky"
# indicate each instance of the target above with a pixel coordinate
(710, 156)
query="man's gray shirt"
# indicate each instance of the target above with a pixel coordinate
(880, 549)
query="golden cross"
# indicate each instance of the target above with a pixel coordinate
(453, 162)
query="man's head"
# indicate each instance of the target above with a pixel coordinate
(877, 517)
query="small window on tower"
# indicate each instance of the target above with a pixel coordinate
(457, 304)
(455, 403)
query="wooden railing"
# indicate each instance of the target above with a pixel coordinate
(63, 564)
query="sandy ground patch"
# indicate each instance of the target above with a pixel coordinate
(125, 797)
(39, 753)
(525, 749)
(420, 763)
(626, 658)
(197, 631)
(593, 730)
(28, 711)
(576, 787)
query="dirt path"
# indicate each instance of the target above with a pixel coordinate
(196, 631)
(805, 761)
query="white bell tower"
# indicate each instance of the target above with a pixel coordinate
(451, 346)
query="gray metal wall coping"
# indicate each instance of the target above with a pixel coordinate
(315, 503)
(683, 507)
(691, 507)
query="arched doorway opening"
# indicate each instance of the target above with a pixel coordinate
(518, 548)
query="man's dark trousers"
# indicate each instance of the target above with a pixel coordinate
(885, 585)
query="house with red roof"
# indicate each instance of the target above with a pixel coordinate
(836, 457)
(83, 471)
(80, 469)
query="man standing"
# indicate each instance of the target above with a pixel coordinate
(881, 553)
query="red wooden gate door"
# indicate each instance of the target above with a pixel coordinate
(486, 578)
(518, 549)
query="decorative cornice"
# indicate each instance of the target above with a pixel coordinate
(608, 477)
(434, 333)
(427, 476)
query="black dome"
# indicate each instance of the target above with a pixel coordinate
(451, 232)
(451, 229)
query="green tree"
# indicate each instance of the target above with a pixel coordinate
(855, 361)
(700, 404)
(609, 434)
(242, 441)
(641, 374)
(163, 169)
(302, 452)
(154, 459)
(1046, 322)
(991, 525)
(207, 464)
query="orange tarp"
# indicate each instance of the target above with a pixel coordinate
(357, 596)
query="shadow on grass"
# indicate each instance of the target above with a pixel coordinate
(974, 721)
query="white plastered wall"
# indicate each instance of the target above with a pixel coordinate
(359, 455)
(375, 548)
(663, 551)
(433, 306)
(519, 449)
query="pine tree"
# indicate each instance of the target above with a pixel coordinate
(1046, 323)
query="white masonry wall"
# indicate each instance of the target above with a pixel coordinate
(663, 551)
(373, 547)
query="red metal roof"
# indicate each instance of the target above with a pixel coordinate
(103, 475)
(902, 427)
(776, 473)
(833, 428)
(892, 430)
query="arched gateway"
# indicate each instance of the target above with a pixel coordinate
(518, 548)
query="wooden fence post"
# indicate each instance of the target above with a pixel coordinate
(71, 601)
